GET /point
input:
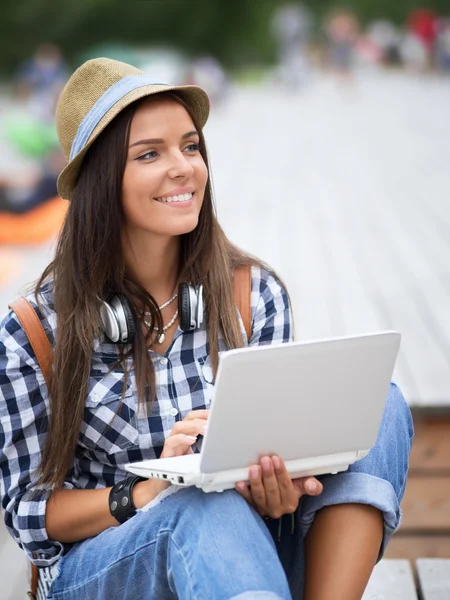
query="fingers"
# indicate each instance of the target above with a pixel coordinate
(184, 434)
(197, 414)
(243, 489)
(189, 427)
(177, 445)
(271, 490)
(308, 485)
(257, 490)
(273, 499)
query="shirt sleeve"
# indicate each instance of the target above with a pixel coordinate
(24, 410)
(271, 310)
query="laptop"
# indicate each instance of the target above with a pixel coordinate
(317, 405)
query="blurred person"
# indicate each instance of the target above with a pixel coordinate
(443, 45)
(207, 72)
(140, 222)
(421, 25)
(291, 27)
(341, 30)
(414, 54)
(386, 36)
(22, 192)
(40, 79)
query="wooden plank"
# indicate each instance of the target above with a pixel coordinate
(426, 504)
(413, 547)
(391, 580)
(434, 578)
(431, 447)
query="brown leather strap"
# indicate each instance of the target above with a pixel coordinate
(43, 352)
(34, 582)
(35, 333)
(242, 285)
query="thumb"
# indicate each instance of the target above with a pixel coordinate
(308, 485)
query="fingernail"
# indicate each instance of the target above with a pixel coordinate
(254, 472)
(191, 438)
(312, 486)
(276, 462)
(265, 464)
(241, 485)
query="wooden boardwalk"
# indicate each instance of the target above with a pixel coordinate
(346, 192)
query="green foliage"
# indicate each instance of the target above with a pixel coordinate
(236, 31)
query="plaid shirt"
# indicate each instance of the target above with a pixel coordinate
(184, 382)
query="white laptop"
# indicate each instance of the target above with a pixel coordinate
(318, 405)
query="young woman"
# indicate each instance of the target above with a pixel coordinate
(129, 383)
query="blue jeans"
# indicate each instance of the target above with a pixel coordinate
(197, 546)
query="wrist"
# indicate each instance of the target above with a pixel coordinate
(145, 491)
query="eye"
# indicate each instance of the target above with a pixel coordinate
(193, 147)
(147, 155)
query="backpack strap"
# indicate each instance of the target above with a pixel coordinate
(242, 285)
(35, 333)
(42, 349)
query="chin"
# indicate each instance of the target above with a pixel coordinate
(186, 226)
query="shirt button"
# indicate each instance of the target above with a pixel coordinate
(163, 361)
(96, 398)
(173, 412)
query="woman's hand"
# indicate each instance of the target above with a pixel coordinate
(271, 490)
(184, 434)
(179, 442)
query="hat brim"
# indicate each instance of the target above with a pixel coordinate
(195, 98)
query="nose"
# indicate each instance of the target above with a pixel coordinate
(180, 166)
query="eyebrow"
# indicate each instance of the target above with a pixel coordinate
(161, 141)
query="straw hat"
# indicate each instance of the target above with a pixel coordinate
(95, 94)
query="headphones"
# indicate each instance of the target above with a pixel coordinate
(118, 320)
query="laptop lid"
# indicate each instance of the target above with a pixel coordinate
(298, 400)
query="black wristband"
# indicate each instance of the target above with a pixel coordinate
(121, 505)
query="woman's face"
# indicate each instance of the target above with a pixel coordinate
(165, 175)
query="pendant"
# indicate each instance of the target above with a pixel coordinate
(161, 338)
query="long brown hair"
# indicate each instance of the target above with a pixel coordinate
(89, 265)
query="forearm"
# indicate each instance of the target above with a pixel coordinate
(341, 550)
(75, 515)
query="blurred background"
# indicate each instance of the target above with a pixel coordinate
(329, 140)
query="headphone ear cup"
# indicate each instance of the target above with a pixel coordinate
(118, 321)
(184, 307)
(129, 320)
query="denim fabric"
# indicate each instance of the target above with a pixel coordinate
(378, 480)
(195, 546)
(191, 545)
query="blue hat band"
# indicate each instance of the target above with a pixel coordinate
(103, 104)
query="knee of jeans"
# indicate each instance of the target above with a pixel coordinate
(388, 458)
(398, 412)
(396, 436)
(227, 506)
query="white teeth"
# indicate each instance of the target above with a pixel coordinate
(179, 198)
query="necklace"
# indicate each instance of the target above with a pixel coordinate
(167, 303)
(162, 336)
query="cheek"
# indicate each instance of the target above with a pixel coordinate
(202, 174)
(134, 183)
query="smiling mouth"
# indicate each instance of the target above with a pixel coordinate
(180, 199)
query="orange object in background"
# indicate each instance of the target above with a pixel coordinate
(35, 226)
(11, 266)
